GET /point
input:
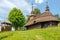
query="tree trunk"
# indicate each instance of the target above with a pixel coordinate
(16, 28)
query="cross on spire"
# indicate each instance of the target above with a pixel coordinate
(32, 12)
(47, 2)
(47, 7)
(32, 6)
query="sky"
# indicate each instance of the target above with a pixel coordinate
(25, 6)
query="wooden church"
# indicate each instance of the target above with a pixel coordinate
(43, 20)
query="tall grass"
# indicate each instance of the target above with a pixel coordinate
(52, 33)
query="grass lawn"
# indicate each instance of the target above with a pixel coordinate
(52, 33)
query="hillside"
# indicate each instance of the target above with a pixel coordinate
(52, 33)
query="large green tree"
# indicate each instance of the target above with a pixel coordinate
(17, 18)
(37, 11)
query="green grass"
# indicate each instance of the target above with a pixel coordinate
(51, 33)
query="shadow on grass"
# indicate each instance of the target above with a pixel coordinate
(6, 36)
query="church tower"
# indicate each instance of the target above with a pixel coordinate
(32, 14)
(47, 7)
(47, 11)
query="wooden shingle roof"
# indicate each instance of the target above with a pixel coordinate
(6, 22)
(46, 16)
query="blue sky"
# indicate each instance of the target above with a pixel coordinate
(25, 6)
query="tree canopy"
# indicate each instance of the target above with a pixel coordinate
(37, 11)
(17, 18)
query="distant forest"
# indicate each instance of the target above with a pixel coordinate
(58, 16)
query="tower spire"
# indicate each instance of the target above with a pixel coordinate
(32, 12)
(47, 7)
(32, 16)
(32, 6)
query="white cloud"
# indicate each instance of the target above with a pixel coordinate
(40, 1)
(7, 5)
(22, 4)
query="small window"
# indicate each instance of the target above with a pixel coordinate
(34, 21)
